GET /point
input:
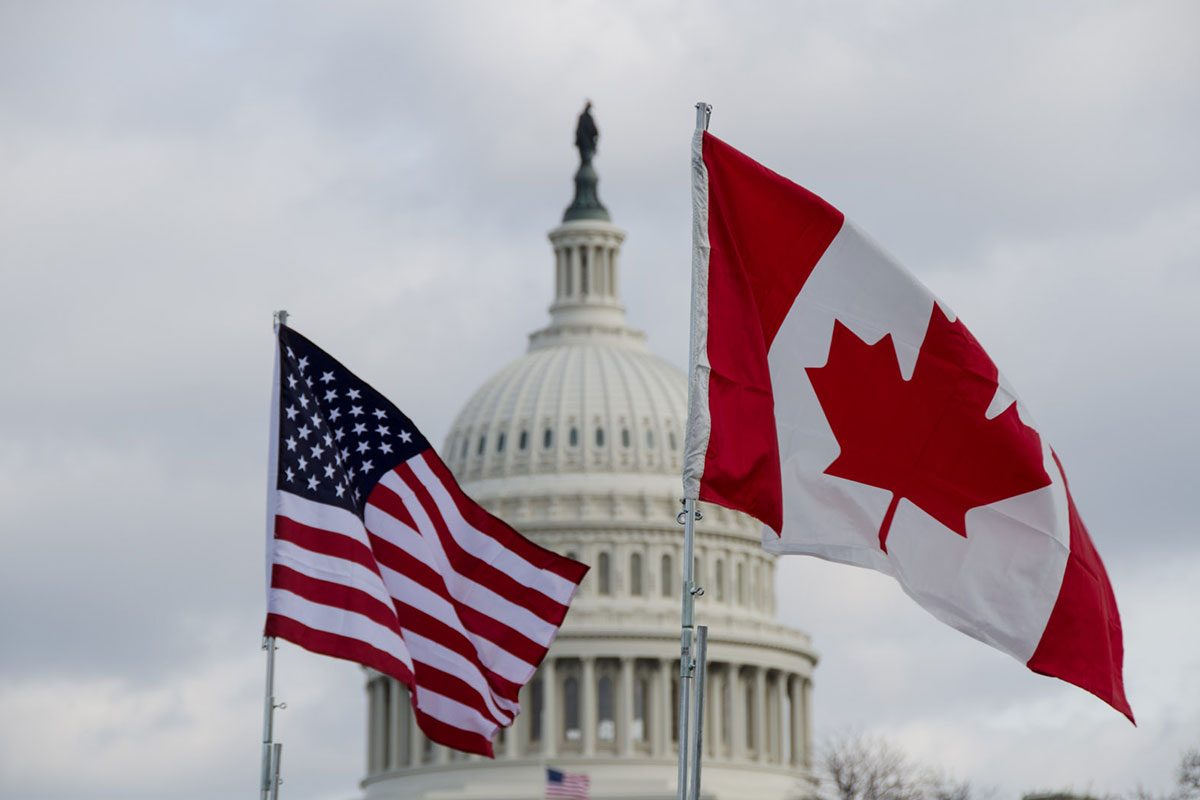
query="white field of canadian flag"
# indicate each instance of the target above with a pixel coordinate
(837, 400)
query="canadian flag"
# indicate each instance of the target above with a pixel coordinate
(835, 399)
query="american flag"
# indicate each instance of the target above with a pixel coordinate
(375, 555)
(567, 785)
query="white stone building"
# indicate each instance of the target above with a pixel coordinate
(578, 444)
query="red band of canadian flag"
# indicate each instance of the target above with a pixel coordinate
(835, 399)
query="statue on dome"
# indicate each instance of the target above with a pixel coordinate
(586, 203)
(586, 134)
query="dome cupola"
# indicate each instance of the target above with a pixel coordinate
(587, 249)
(588, 396)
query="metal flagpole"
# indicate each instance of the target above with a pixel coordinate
(698, 735)
(685, 641)
(689, 515)
(271, 750)
(276, 753)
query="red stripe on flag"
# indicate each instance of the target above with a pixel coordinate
(328, 543)
(331, 644)
(418, 621)
(336, 595)
(473, 620)
(464, 562)
(443, 733)
(1082, 642)
(353, 600)
(766, 236)
(503, 533)
(446, 683)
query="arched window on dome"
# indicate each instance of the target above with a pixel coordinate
(571, 708)
(523, 440)
(667, 576)
(573, 437)
(465, 445)
(671, 440)
(719, 580)
(604, 574)
(500, 442)
(741, 584)
(482, 444)
(626, 439)
(599, 437)
(606, 727)
(649, 439)
(547, 438)
(635, 574)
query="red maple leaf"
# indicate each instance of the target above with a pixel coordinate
(927, 438)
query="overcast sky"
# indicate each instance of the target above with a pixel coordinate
(171, 173)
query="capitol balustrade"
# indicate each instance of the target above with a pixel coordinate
(615, 708)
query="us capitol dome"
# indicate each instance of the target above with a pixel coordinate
(578, 444)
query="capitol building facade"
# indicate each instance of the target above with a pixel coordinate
(578, 444)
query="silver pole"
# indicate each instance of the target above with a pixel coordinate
(690, 590)
(698, 736)
(686, 664)
(268, 780)
(276, 755)
(268, 774)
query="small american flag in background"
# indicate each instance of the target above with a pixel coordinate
(376, 556)
(566, 785)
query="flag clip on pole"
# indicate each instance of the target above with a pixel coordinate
(697, 745)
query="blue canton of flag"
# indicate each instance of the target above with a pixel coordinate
(337, 434)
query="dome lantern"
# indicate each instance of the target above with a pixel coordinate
(587, 249)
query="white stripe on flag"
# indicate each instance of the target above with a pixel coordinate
(484, 547)
(331, 569)
(427, 651)
(462, 589)
(338, 622)
(411, 592)
(318, 515)
(452, 712)
(421, 648)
